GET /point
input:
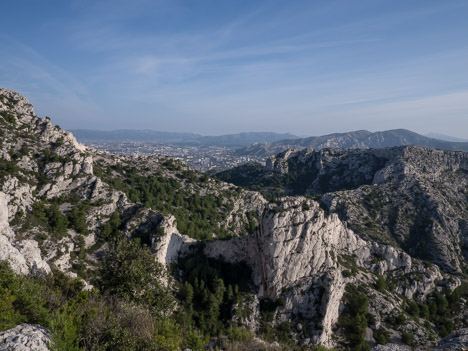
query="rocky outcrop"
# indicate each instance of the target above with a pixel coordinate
(300, 254)
(22, 109)
(457, 341)
(24, 256)
(167, 243)
(410, 197)
(25, 337)
(46, 165)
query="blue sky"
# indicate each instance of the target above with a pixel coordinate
(217, 67)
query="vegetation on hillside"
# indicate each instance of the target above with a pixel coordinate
(198, 216)
(117, 317)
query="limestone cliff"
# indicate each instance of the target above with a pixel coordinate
(301, 255)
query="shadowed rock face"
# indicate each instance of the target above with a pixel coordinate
(25, 337)
(457, 341)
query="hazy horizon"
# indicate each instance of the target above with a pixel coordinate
(215, 68)
(429, 135)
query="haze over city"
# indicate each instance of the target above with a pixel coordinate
(211, 67)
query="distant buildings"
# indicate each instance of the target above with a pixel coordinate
(200, 158)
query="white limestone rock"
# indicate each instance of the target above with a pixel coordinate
(13, 256)
(24, 256)
(31, 252)
(25, 337)
(296, 254)
(167, 243)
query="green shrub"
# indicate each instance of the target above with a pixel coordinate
(354, 318)
(239, 334)
(8, 118)
(412, 308)
(8, 168)
(382, 336)
(9, 316)
(380, 284)
(77, 220)
(408, 339)
(131, 272)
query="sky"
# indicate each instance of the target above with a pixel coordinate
(308, 67)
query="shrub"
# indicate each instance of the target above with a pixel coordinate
(131, 272)
(412, 308)
(354, 318)
(239, 334)
(77, 220)
(380, 284)
(408, 339)
(382, 336)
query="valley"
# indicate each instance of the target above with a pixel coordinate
(347, 248)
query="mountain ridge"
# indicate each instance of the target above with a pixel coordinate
(130, 135)
(361, 139)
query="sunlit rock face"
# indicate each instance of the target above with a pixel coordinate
(24, 256)
(299, 254)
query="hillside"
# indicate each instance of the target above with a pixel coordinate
(110, 252)
(410, 197)
(361, 139)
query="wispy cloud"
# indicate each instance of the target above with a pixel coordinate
(220, 66)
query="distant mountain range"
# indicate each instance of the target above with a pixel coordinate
(361, 139)
(262, 144)
(128, 135)
(445, 137)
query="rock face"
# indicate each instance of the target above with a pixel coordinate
(413, 198)
(24, 256)
(167, 243)
(299, 254)
(457, 341)
(25, 337)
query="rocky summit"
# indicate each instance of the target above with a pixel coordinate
(337, 248)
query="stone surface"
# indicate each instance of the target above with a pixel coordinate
(457, 341)
(25, 337)
(299, 254)
(167, 243)
(24, 256)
